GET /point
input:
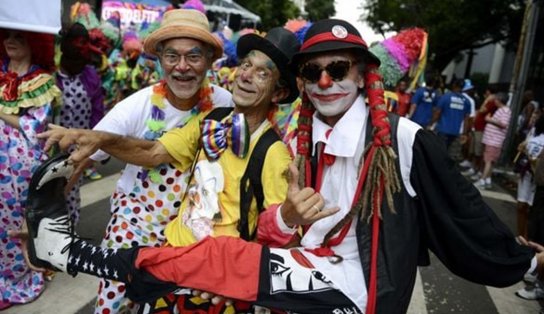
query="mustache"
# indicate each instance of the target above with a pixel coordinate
(182, 76)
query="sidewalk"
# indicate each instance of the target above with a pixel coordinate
(64, 294)
(502, 178)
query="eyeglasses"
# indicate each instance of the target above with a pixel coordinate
(337, 70)
(173, 59)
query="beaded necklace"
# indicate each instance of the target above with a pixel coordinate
(156, 124)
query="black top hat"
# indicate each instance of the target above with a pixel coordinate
(332, 35)
(280, 45)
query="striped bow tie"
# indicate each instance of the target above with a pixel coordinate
(217, 136)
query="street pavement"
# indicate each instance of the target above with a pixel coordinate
(437, 290)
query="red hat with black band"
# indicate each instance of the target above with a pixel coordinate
(333, 35)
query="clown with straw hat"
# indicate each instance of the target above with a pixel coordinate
(143, 203)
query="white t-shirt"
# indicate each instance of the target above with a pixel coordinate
(128, 118)
(535, 144)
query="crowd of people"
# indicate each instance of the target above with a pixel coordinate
(294, 163)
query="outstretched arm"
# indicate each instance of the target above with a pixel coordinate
(456, 223)
(131, 150)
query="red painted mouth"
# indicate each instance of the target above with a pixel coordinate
(329, 97)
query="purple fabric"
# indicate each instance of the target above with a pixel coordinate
(93, 85)
(157, 113)
(397, 52)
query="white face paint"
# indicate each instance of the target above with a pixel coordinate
(334, 100)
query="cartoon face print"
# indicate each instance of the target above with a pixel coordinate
(290, 271)
(203, 195)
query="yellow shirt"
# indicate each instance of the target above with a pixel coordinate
(182, 145)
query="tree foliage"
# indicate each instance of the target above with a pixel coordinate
(319, 9)
(453, 25)
(272, 12)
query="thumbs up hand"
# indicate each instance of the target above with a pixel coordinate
(303, 206)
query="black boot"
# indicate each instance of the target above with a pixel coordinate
(46, 200)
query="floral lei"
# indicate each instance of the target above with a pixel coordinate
(156, 124)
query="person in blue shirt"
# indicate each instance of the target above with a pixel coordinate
(422, 103)
(451, 111)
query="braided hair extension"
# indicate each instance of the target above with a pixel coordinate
(304, 142)
(382, 166)
(379, 170)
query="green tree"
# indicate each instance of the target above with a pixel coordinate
(272, 12)
(319, 9)
(453, 25)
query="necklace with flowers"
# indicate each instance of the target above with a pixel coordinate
(156, 124)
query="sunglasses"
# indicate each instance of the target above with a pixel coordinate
(337, 70)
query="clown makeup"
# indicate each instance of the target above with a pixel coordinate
(331, 90)
(255, 81)
(261, 74)
(334, 100)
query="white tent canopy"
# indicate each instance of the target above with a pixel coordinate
(230, 7)
(31, 15)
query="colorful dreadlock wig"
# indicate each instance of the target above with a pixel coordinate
(378, 167)
(403, 53)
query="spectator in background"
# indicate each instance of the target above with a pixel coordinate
(452, 111)
(82, 95)
(468, 92)
(493, 137)
(535, 227)
(488, 106)
(531, 193)
(422, 104)
(400, 104)
(525, 123)
(531, 147)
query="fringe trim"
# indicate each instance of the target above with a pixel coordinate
(39, 91)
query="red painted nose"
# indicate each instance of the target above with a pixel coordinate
(325, 81)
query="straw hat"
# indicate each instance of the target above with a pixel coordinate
(183, 23)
